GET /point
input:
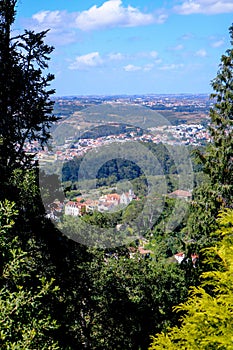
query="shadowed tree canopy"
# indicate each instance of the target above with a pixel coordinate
(25, 104)
(206, 321)
(218, 159)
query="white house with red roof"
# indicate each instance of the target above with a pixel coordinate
(75, 208)
(179, 257)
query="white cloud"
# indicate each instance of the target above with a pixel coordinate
(95, 59)
(40, 16)
(187, 36)
(161, 18)
(201, 53)
(132, 68)
(218, 43)
(177, 47)
(153, 54)
(189, 7)
(148, 67)
(144, 54)
(116, 56)
(49, 18)
(172, 66)
(60, 25)
(84, 62)
(158, 61)
(112, 14)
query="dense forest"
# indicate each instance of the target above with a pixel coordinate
(56, 293)
(124, 168)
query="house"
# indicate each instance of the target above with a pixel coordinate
(91, 205)
(144, 253)
(194, 258)
(105, 206)
(181, 194)
(109, 201)
(126, 198)
(179, 257)
(113, 198)
(75, 208)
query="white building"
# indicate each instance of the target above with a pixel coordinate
(74, 208)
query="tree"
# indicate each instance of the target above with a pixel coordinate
(207, 322)
(114, 302)
(25, 104)
(24, 320)
(217, 157)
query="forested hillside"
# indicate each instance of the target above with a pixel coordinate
(56, 293)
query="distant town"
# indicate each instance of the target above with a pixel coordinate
(176, 102)
(187, 116)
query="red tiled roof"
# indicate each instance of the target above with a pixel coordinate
(75, 204)
(179, 254)
(144, 251)
(181, 193)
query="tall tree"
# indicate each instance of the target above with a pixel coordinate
(25, 104)
(25, 321)
(218, 161)
(25, 116)
(208, 313)
(217, 158)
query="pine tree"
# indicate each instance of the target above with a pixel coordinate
(217, 158)
(25, 104)
(218, 161)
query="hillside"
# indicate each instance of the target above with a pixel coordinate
(86, 119)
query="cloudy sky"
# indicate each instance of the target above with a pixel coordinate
(131, 46)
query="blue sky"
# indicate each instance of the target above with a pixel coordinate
(131, 46)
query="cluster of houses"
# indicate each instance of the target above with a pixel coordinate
(105, 203)
(108, 202)
(182, 134)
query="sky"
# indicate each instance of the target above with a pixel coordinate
(131, 47)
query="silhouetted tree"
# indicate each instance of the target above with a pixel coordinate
(25, 104)
(217, 158)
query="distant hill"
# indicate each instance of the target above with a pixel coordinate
(135, 115)
(110, 129)
(88, 120)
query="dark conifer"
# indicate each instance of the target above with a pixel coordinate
(25, 104)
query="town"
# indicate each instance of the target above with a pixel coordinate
(187, 117)
(194, 134)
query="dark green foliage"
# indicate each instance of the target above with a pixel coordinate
(217, 157)
(206, 324)
(25, 322)
(105, 299)
(123, 168)
(206, 317)
(113, 302)
(25, 103)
